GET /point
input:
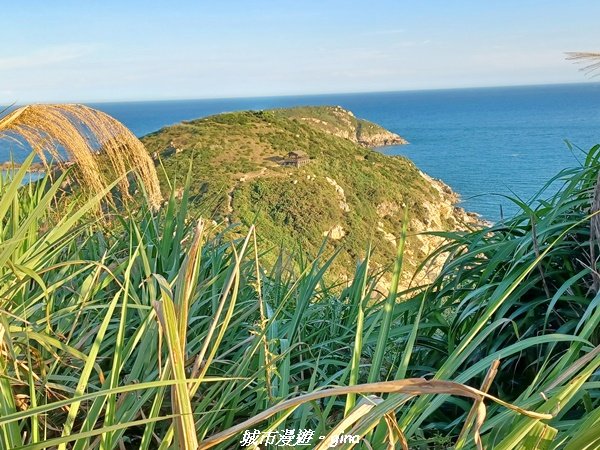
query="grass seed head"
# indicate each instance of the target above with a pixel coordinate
(79, 133)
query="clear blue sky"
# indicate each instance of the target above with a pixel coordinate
(135, 50)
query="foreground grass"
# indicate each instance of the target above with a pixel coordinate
(157, 333)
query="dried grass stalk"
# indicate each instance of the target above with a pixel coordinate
(408, 386)
(78, 133)
(592, 60)
(476, 411)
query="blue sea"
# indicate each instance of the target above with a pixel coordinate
(485, 143)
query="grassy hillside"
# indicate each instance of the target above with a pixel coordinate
(355, 193)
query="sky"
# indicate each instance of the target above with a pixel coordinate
(84, 51)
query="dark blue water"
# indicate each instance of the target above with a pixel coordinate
(482, 142)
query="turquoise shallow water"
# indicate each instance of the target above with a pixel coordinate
(483, 142)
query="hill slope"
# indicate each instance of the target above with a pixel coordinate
(348, 193)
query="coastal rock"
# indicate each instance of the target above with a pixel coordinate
(444, 214)
(336, 232)
(438, 213)
(341, 194)
(342, 123)
(388, 208)
(380, 139)
(387, 236)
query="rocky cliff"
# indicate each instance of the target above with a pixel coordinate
(342, 123)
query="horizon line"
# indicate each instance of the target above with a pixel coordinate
(318, 94)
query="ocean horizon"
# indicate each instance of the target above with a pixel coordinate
(487, 144)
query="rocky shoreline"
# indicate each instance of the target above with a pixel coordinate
(382, 140)
(346, 125)
(441, 214)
